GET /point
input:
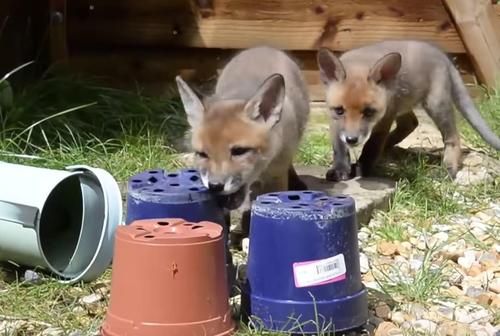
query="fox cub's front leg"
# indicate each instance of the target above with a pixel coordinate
(374, 147)
(341, 169)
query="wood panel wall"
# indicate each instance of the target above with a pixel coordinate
(153, 40)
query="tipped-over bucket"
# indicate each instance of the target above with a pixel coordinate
(63, 221)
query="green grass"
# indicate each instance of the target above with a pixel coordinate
(51, 303)
(489, 107)
(65, 120)
(419, 286)
(126, 132)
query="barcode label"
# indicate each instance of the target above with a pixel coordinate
(327, 268)
(319, 272)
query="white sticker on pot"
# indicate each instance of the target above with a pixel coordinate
(319, 272)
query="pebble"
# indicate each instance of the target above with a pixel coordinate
(463, 316)
(52, 332)
(416, 264)
(465, 262)
(368, 277)
(387, 329)
(245, 245)
(445, 312)
(455, 277)
(479, 330)
(453, 328)
(32, 277)
(398, 317)
(488, 260)
(432, 315)
(484, 299)
(364, 264)
(442, 228)
(422, 243)
(404, 249)
(441, 237)
(494, 285)
(370, 249)
(470, 254)
(91, 299)
(468, 177)
(481, 315)
(474, 270)
(471, 313)
(414, 309)
(474, 292)
(425, 326)
(454, 250)
(11, 327)
(78, 310)
(382, 310)
(373, 285)
(363, 236)
(386, 248)
(76, 333)
(495, 303)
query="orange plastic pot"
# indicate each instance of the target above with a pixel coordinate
(168, 278)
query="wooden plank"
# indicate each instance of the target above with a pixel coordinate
(479, 27)
(234, 24)
(158, 68)
(17, 42)
(57, 29)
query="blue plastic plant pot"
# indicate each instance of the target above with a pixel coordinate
(303, 265)
(157, 193)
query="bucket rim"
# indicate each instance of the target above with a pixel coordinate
(113, 213)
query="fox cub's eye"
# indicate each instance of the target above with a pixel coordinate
(202, 155)
(238, 151)
(369, 112)
(339, 110)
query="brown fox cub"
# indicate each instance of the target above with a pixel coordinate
(246, 134)
(369, 88)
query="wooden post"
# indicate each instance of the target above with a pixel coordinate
(57, 29)
(479, 26)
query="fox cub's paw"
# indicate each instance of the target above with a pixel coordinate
(343, 173)
(335, 174)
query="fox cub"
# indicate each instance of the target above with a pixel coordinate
(247, 132)
(369, 88)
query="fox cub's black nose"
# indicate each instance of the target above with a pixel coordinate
(351, 140)
(215, 187)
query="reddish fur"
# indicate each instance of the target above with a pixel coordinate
(354, 94)
(225, 125)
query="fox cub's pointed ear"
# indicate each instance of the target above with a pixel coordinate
(192, 104)
(386, 68)
(330, 66)
(267, 102)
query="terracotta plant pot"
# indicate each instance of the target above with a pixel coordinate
(156, 193)
(169, 278)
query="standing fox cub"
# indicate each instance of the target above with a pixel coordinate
(247, 132)
(369, 88)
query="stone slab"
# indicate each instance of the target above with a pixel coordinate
(369, 193)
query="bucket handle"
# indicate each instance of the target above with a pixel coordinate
(22, 214)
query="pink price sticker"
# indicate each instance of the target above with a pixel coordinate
(319, 272)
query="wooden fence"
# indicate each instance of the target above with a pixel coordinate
(151, 41)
